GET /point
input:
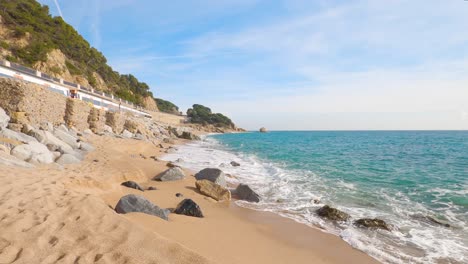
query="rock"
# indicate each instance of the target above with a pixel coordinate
(15, 127)
(67, 159)
(213, 190)
(332, 213)
(47, 126)
(132, 184)
(63, 128)
(126, 134)
(171, 165)
(244, 192)
(108, 129)
(212, 174)
(12, 161)
(435, 221)
(67, 138)
(235, 164)
(172, 174)
(263, 130)
(135, 203)
(160, 146)
(56, 154)
(88, 132)
(4, 149)
(5, 132)
(33, 152)
(26, 128)
(372, 223)
(316, 201)
(151, 188)
(179, 160)
(4, 119)
(154, 158)
(179, 195)
(139, 136)
(51, 141)
(188, 207)
(429, 220)
(73, 131)
(189, 136)
(86, 147)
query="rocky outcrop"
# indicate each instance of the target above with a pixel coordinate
(332, 213)
(150, 104)
(135, 203)
(171, 174)
(188, 207)
(212, 174)
(7, 133)
(132, 184)
(213, 190)
(189, 136)
(244, 192)
(372, 223)
(51, 141)
(67, 138)
(263, 130)
(235, 164)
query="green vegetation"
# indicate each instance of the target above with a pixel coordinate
(29, 20)
(203, 115)
(166, 106)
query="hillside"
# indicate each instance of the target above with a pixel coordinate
(31, 36)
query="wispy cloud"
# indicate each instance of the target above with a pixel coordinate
(58, 8)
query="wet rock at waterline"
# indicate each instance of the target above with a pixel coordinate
(332, 213)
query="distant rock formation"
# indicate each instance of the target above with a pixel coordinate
(263, 130)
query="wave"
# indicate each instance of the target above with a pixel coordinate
(298, 193)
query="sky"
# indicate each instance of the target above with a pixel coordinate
(292, 64)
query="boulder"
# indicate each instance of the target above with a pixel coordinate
(132, 184)
(213, 190)
(126, 134)
(12, 161)
(372, 223)
(244, 192)
(26, 128)
(108, 129)
(235, 164)
(151, 188)
(139, 136)
(33, 152)
(263, 130)
(171, 174)
(135, 203)
(88, 132)
(188, 207)
(47, 126)
(86, 147)
(212, 174)
(73, 132)
(189, 136)
(63, 128)
(4, 119)
(51, 141)
(332, 213)
(67, 138)
(67, 159)
(7, 133)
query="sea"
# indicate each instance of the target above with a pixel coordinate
(416, 181)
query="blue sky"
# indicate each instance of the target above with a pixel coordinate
(292, 64)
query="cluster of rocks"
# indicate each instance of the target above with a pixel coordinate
(27, 145)
(336, 215)
(210, 182)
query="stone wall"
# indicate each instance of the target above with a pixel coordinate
(116, 121)
(77, 113)
(31, 103)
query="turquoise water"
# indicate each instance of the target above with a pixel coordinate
(401, 177)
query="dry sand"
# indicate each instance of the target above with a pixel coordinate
(53, 215)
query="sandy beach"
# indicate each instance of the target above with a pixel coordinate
(65, 215)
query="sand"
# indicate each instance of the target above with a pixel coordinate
(64, 215)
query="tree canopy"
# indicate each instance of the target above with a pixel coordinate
(203, 115)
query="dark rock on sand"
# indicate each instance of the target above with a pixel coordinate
(179, 195)
(372, 223)
(132, 184)
(212, 174)
(170, 164)
(235, 164)
(188, 207)
(332, 213)
(244, 192)
(135, 203)
(152, 188)
(172, 174)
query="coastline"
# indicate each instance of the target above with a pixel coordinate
(65, 214)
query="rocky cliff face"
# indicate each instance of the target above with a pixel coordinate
(150, 104)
